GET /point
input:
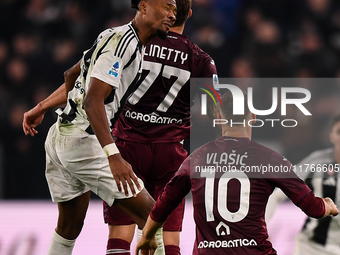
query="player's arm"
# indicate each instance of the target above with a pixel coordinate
(147, 244)
(303, 197)
(317, 207)
(34, 117)
(278, 196)
(95, 110)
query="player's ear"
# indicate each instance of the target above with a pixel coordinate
(142, 6)
(253, 117)
(190, 13)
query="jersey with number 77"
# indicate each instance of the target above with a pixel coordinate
(159, 110)
(230, 180)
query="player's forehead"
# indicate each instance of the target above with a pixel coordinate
(170, 3)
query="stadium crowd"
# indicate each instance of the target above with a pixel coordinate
(40, 39)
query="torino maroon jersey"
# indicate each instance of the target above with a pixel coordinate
(230, 200)
(159, 110)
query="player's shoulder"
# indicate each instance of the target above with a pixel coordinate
(203, 149)
(118, 33)
(120, 29)
(267, 153)
(120, 39)
(202, 61)
(198, 53)
(193, 48)
(324, 154)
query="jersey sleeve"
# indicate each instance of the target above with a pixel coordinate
(209, 68)
(108, 69)
(173, 193)
(208, 72)
(296, 189)
(108, 64)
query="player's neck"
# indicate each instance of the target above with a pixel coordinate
(178, 30)
(237, 132)
(144, 34)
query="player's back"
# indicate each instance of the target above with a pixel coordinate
(230, 218)
(159, 110)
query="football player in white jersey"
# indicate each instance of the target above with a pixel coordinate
(320, 170)
(80, 150)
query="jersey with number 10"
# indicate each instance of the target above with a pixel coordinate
(159, 110)
(231, 180)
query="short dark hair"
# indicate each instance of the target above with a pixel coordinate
(183, 8)
(135, 3)
(227, 107)
(335, 119)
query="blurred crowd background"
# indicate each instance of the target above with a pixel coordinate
(40, 39)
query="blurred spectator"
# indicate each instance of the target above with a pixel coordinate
(24, 169)
(4, 54)
(265, 49)
(312, 55)
(246, 38)
(242, 68)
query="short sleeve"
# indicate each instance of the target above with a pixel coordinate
(108, 68)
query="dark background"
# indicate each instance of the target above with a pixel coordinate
(40, 39)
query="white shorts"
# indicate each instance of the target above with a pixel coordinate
(303, 246)
(76, 164)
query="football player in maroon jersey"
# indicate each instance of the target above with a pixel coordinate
(154, 121)
(231, 179)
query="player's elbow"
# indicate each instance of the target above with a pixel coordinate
(87, 103)
(72, 72)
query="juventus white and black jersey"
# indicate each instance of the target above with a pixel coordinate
(321, 172)
(116, 59)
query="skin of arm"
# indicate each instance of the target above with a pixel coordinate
(330, 207)
(95, 110)
(147, 243)
(34, 117)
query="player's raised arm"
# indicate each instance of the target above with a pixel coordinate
(34, 117)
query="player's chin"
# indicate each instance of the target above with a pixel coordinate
(162, 34)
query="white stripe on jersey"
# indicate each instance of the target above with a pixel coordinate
(115, 58)
(116, 251)
(123, 43)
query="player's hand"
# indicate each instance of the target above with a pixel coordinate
(330, 207)
(32, 118)
(146, 246)
(123, 174)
